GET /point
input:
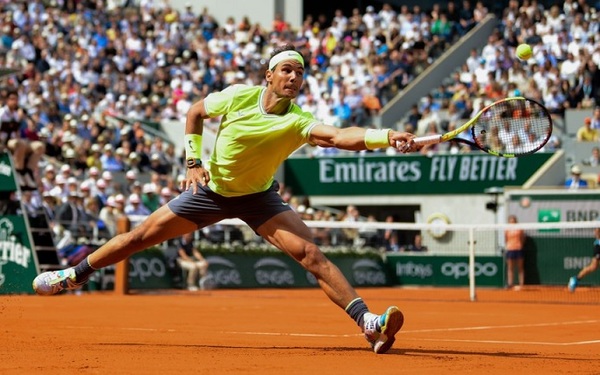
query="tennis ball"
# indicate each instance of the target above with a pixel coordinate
(524, 51)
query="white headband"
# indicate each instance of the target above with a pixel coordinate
(285, 55)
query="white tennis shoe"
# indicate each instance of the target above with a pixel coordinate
(53, 282)
(380, 330)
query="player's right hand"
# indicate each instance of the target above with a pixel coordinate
(195, 176)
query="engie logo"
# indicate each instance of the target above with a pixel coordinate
(223, 271)
(461, 269)
(11, 251)
(146, 268)
(272, 271)
(368, 272)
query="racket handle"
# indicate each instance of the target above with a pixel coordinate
(427, 140)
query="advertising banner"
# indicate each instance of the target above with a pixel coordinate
(7, 177)
(280, 271)
(434, 270)
(18, 265)
(408, 174)
(554, 255)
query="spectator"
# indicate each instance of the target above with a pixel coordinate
(575, 181)
(191, 260)
(390, 237)
(26, 154)
(594, 159)
(595, 122)
(586, 133)
(416, 245)
(136, 207)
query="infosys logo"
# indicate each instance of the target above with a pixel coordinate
(223, 272)
(368, 272)
(272, 271)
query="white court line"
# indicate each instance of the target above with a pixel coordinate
(505, 326)
(404, 332)
(511, 342)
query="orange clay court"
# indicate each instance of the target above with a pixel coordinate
(297, 331)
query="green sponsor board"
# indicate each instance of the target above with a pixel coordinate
(148, 270)
(18, 265)
(280, 271)
(434, 270)
(552, 260)
(408, 174)
(7, 177)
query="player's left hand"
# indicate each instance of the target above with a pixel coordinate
(195, 176)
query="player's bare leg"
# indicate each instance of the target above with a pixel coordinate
(288, 232)
(160, 226)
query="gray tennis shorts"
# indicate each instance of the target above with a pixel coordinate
(207, 207)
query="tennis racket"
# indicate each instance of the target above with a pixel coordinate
(509, 128)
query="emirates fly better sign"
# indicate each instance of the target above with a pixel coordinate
(408, 174)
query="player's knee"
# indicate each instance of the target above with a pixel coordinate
(38, 148)
(313, 258)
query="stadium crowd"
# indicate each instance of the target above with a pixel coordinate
(94, 74)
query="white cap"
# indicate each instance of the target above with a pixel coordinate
(165, 192)
(149, 188)
(134, 198)
(106, 175)
(111, 202)
(94, 171)
(131, 175)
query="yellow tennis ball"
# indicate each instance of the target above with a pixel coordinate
(524, 51)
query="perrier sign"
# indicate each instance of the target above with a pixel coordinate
(17, 260)
(468, 173)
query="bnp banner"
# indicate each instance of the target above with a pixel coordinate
(7, 177)
(436, 270)
(554, 255)
(280, 271)
(18, 265)
(408, 174)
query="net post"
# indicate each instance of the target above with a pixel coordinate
(472, 294)
(122, 268)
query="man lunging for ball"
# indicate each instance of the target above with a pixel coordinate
(260, 128)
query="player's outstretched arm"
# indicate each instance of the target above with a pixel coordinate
(356, 139)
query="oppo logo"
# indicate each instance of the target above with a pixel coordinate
(461, 269)
(144, 268)
(271, 271)
(225, 273)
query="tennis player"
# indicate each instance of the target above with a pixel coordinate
(591, 267)
(260, 127)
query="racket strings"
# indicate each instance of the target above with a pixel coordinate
(516, 126)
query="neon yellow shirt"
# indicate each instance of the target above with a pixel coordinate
(251, 144)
